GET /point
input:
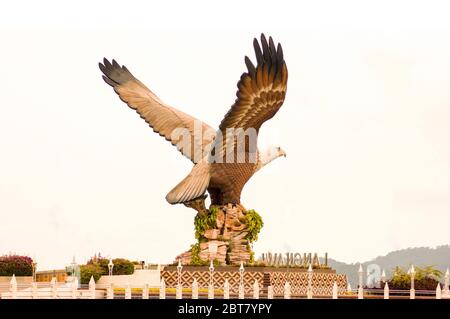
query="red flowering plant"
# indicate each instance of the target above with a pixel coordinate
(16, 265)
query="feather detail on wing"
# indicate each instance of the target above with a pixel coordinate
(191, 187)
(261, 90)
(191, 136)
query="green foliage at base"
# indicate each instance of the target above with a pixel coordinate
(252, 257)
(202, 222)
(195, 260)
(254, 224)
(251, 261)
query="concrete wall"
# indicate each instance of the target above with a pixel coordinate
(20, 279)
(152, 277)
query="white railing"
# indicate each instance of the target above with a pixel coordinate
(55, 290)
(73, 290)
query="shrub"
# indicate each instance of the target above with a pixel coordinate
(425, 278)
(254, 224)
(121, 266)
(16, 265)
(102, 263)
(196, 261)
(202, 222)
(89, 270)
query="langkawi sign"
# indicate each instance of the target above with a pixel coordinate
(293, 259)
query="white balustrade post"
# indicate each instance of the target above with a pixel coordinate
(270, 292)
(309, 292)
(34, 290)
(211, 276)
(162, 289)
(383, 276)
(386, 290)
(287, 290)
(13, 287)
(446, 283)
(412, 292)
(179, 287)
(74, 288)
(360, 288)
(195, 289)
(349, 288)
(255, 290)
(128, 291)
(145, 292)
(210, 291)
(92, 288)
(54, 288)
(110, 291)
(241, 281)
(438, 291)
(335, 290)
(241, 292)
(179, 291)
(226, 290)
(360, 293)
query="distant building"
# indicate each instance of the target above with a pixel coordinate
(47, 275)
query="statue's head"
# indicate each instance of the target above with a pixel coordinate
(269, 154)
(275, 151)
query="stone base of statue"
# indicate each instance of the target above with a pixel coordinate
(224, 235)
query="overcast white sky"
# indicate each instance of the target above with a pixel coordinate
(365, 125)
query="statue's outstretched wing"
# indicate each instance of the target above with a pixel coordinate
(174, 125)
(261, 90)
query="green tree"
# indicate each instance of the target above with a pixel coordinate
(121, 266)
(425, 278)
(88, 271)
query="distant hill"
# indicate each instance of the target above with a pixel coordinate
(420, 256)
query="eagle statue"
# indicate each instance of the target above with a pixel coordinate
(261, 92)
(224, 159)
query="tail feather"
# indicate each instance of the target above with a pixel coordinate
(192, 186)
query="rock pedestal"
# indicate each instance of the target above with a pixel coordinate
(227, 229)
